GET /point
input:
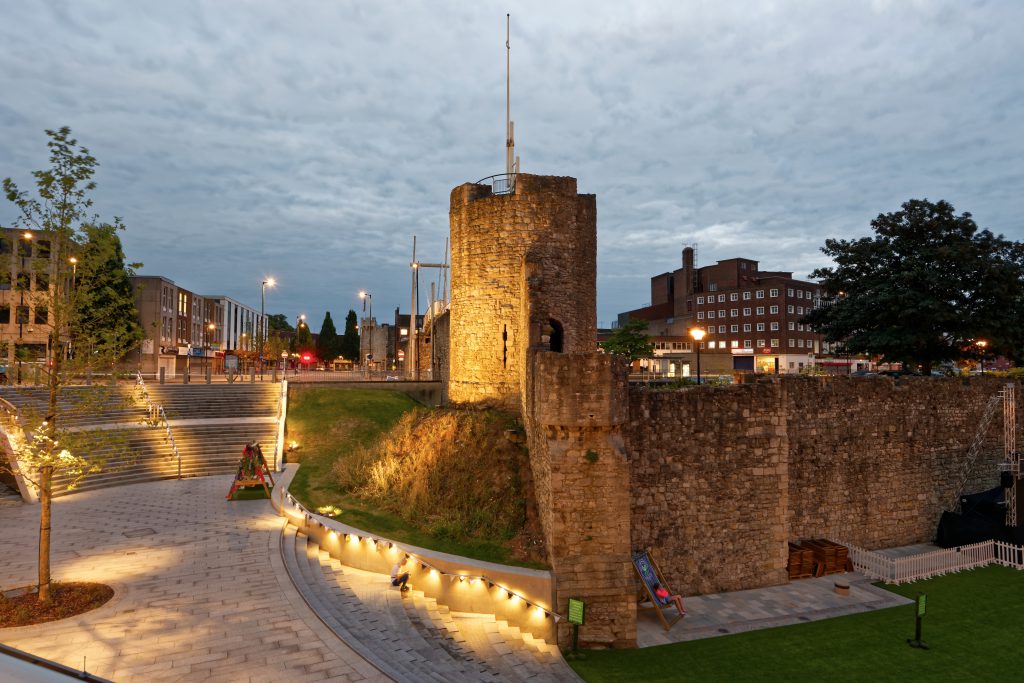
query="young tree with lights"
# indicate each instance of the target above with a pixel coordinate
(87, 299)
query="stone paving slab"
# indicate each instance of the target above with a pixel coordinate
(198, 593)
(799, 601)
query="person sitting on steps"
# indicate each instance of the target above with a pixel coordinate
(399, 579)
(664, 598)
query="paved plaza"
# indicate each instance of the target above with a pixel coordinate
(201, 591)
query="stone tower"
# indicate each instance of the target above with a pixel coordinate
(524, 268)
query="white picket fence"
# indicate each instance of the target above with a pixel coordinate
(898, 570)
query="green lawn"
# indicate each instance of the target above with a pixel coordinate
(328, 423)
(973, 626)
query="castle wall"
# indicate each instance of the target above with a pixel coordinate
(576, 410)
(546, 223)
(721, 478)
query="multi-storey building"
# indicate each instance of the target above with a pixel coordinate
(26, 268)
(184, 330)
(752, 318)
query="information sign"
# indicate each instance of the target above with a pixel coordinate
(575, 611)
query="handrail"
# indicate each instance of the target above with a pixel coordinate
(501, 183)
(159, 417)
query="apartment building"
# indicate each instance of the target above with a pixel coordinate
(188, 332)
(26, 268)
(752, 318)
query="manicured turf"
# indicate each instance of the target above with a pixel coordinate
(974, 626)
(329, 423)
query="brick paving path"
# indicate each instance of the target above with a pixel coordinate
(201, 591)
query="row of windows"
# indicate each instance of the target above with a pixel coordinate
(735, 312)
(673, 346)
(793, 327)
(39, 316)
(748, 344)
(25, 247)
(758, 294)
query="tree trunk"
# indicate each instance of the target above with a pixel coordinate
(45, 498)
(46, 478)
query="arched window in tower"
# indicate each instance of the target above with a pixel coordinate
(555, 335)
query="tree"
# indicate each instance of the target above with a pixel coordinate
(631, 341)
(327, 343)
(924, 289)
(105, 321)
(277, 322)
(92, 320)
(349, 348)
(304, 340)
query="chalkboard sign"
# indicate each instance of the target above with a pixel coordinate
(575, 612)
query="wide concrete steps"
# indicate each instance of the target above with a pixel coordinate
(144, 454)
(79, 407)
(409, 636)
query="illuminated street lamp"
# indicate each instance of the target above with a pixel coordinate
(262, 331)
(698, 335)
(982, 344)
(209, 332)
(368, 299)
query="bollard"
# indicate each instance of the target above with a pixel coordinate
(209, 374)
(252, 375)
(163, 373)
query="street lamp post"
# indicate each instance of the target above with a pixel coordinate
(982, 344)
(697, 334)
(209, 331)
(300, 322)
(23, 282)
(261, 335)
(368, 299)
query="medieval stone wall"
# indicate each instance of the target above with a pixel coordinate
(721, 478)
(545, 234)
(576, 409)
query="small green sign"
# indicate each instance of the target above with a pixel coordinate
(575, 611)
(921, 604)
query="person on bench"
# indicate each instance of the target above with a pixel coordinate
(399, 579)
(664, 598)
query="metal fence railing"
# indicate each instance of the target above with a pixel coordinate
(158, 418)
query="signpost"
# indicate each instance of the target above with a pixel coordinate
(576, 619)
(919, 611)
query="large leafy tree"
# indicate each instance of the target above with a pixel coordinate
(925, 288)
(88, 305)
(327, 343)
(277, 322)
(304, 339)
(630, 340)
(350, 340)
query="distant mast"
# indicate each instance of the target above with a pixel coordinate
(511, 160)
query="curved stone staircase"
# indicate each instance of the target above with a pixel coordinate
(409, 637)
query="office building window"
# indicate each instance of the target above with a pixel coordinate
(700, 315)
(792, 326)
(773, 293)
(747, 344)
(760, 327)
(42, 316)
(721, 329)
(721, 298)
(760, 310)
(746, 327)
(789, 292)
(734, 297)
(734, 344)
(790, 309)
(746, 311)
(760, 294)
(746, 296)
(760, 343)
(775, 343)
(700, 300)
(775, 326)
(773, 309)
(792, 342)
(734, 312)
(734, 328)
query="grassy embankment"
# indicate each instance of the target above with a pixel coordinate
(441, 479)
(972, 626)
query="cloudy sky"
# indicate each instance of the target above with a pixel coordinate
(311, 140)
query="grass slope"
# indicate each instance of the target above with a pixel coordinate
(417, 505)
(973, 627)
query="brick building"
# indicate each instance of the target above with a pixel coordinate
(752, 317)
(26, 268)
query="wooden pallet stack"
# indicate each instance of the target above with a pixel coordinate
(801, 561)
(816, 557)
